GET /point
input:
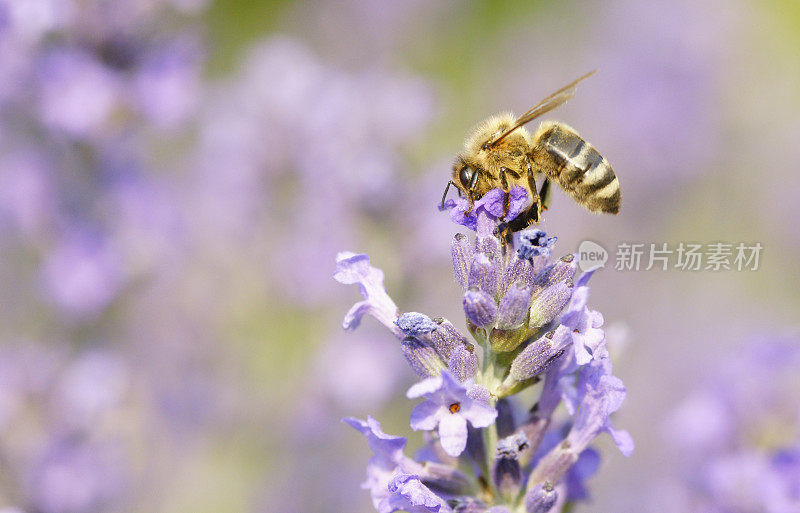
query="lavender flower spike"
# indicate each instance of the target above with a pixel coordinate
(355, 268)
(528, 318)
(449, 408)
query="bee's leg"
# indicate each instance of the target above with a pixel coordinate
(533, 214)
(471, 205)
(506, 190)
(473, 182)
(544, 194)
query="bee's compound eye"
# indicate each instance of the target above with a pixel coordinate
(465, 176)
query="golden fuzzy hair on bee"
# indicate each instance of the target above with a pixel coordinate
(490, 128)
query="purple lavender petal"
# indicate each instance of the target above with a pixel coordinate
(384, 446)
(600, 394)
(453, 433)
(408, 494)
(388, 457)
(449, 407)
(479, 413)
(533, 243)
(425, 416)
(425, 387)
(587, 465)
(355, 268)
(492, 203)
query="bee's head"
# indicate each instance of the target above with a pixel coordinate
(465, 176)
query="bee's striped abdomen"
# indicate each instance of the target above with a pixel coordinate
(580, 170)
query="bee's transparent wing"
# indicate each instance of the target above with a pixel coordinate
(551, 102)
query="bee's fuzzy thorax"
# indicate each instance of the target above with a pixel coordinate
(492, 127)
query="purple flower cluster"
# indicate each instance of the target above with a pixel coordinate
(739, 433)
(530, 326)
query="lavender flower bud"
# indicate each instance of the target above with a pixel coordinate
(506, 473)
(483, 273)
(446, 338)
(539, 354)
(475, 448)
(562, 270)
(422, 357)
(549, 303)
(480, 308)
(505, 418)
(461, 250)
(514, 306)
(517, 270)
(541, 499)
(445, 479)
(463, 364)
(414, 324)
(553, 466)
(469, 505)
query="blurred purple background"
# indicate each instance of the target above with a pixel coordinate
(176, 177)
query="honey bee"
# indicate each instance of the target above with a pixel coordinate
(500, 153)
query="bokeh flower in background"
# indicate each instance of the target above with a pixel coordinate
(88, 225)
(71, 429)
(739, 434)
(290, 143)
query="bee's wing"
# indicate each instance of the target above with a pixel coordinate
(551, 102)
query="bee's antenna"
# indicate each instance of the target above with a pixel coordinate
(444, 196)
